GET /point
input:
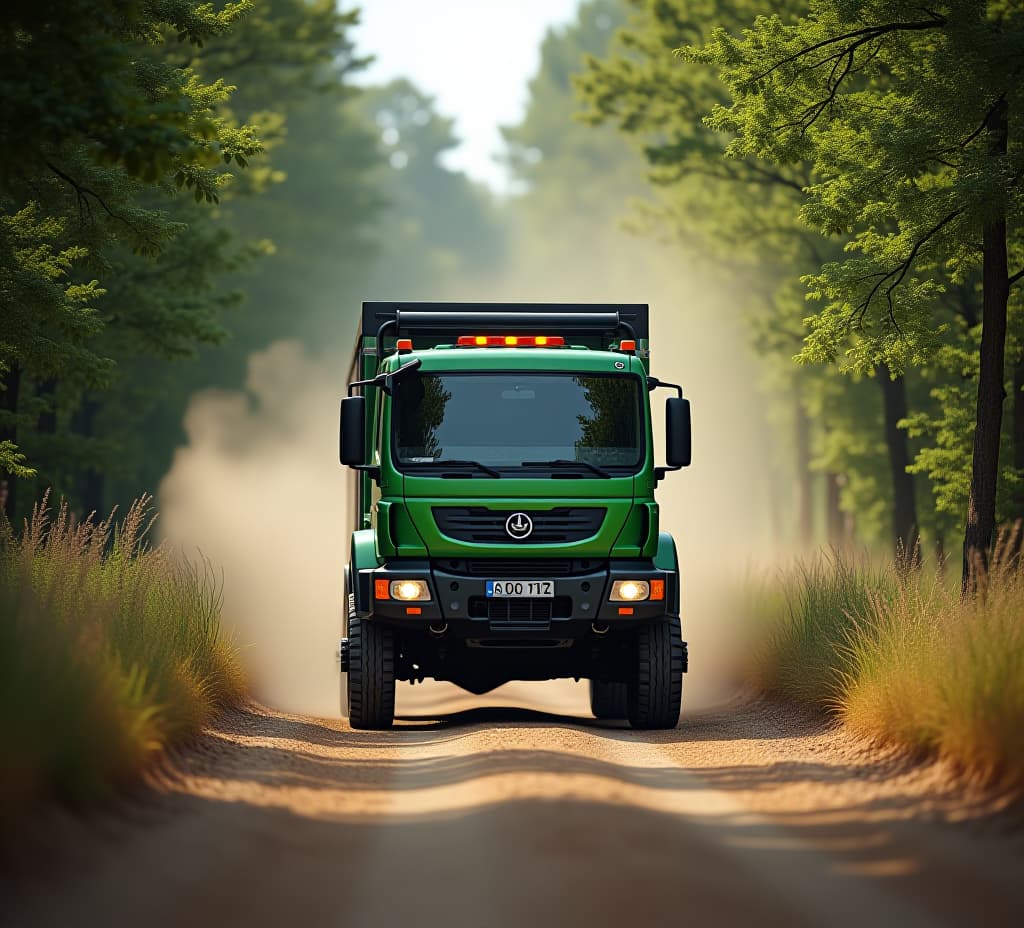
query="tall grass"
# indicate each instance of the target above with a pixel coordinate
(903, 659)
(804, 618)
(110, 651)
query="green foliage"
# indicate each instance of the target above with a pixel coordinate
(110, 652)
(93, 73)
(290, 231)
(859, 160)
(890, 106)
(107, 124)
(118, 265)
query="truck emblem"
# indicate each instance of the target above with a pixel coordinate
(619, 365)
(519, 526)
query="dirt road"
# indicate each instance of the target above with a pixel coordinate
(525, 812)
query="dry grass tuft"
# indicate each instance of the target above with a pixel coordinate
(904, 660)
(110, 651)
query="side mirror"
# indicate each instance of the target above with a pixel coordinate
(677, 432)
(353, 431)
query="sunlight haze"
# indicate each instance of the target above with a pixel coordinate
(475, 58)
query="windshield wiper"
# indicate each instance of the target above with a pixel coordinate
(490, 471)
(593, 468)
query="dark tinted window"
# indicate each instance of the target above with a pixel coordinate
(504, 419)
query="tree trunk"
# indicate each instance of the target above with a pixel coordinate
(9, 403)
(91, 482)
(905, 527)
(48, 417)
(804, 479)
(834, 522)
(981, 507)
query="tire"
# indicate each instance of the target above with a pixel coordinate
(608, 700)
(656, 691)
(371, 675)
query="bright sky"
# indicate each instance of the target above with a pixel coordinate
(475, 56)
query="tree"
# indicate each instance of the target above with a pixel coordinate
(439, 233)
(745, 212)
(106, 433)
(285, 249)
(93, 115)
(912, 121)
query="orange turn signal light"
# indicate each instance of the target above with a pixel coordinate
(657, 589)
(627, 344)
(382, 589)
(625, 610)
(511, 341)
(414, 610)
(403, 345)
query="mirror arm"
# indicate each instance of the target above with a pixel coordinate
(653, 383)
(372, 469)
(660, 472)
(381, 380)
(384, 380)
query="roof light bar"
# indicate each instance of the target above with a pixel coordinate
(511, 341)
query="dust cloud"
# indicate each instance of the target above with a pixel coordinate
(258, 489)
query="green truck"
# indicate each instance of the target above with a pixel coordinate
(504, 521)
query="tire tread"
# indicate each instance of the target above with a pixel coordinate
(655, 694)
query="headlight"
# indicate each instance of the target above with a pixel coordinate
(410, 590)
(630, 591)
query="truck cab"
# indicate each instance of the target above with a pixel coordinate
(504, 519)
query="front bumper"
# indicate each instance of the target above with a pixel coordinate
(459, 597)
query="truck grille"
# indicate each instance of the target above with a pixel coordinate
(550, 526)
(506, 567)
(519, 614)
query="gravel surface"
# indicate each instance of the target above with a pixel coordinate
(518, 809)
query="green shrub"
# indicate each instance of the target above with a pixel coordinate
(110, 651)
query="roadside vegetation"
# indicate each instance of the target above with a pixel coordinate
(111, 651)
(901, 658)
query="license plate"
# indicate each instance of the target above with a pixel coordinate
(515, 589)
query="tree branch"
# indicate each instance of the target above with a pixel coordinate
(867, 34)
(1016, 277)
(83, 193)
(901, 270)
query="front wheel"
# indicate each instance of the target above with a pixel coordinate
(608, 700)
(371, 674)
(656, 689)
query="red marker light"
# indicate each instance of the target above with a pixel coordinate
(627, 344)
(403, 345)
(510, 341)
(625, 610)
(413, 610)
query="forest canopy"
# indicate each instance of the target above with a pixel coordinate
(184, 183)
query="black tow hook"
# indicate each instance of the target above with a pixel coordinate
(343, 655)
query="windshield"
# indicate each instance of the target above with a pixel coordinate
(516, 419)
